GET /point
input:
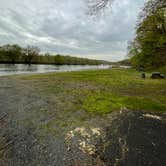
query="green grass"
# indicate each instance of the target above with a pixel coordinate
(106, 102)
(101, 91)
(162, 70)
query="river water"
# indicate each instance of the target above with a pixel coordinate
(9, 69)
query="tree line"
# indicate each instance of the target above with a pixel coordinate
(148, 48)
(31, 55)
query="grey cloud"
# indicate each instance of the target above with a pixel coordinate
(62, 26)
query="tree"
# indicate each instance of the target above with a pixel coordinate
(59, 60)
(96, 7)
(15, 53)
(31, 52)
(149, 46)
(11, 53)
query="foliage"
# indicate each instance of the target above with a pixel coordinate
(125, 62)
(149, 46)
(31, 54)
(59, 60)
(162, 70)
(10, 52)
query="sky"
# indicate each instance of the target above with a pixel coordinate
(63, 26)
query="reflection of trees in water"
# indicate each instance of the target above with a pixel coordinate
(18, 68)
(9, 69)
(32, 68)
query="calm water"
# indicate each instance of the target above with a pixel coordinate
(9, 69)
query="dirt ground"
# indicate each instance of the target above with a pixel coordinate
(123, 138)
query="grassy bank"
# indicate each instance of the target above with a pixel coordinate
(101, 91)
(64, 118)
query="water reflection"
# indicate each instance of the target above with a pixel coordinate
(9, 69)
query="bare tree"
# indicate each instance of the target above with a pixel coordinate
(96, 7)
(31, 52)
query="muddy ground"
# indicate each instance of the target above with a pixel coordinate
(123, 138)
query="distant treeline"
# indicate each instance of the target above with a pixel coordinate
(31, 55)
(125, 62)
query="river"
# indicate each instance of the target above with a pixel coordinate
(10, 69)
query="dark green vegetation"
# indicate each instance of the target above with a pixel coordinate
(31, 55)
(103, 91)
(125, 62)
(149, 46)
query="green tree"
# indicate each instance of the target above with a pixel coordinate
(11, 53)
(149, 46)
(59, 60)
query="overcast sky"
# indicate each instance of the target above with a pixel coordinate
(63, 26)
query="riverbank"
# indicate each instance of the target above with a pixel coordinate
(103, 91)
(78, 117)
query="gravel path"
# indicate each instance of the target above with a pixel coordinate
(121, 138)
(25, 140)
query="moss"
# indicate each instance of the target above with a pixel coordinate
(103, 102)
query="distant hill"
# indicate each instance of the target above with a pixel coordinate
(125, 62)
